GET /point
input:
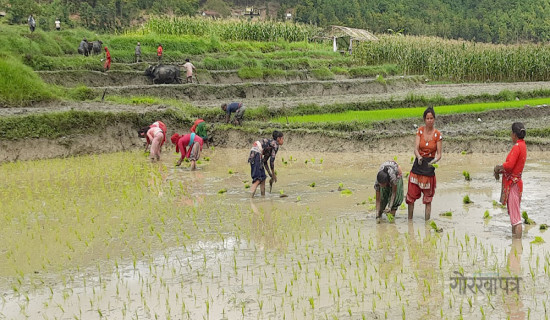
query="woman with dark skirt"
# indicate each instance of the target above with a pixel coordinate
(428, 147)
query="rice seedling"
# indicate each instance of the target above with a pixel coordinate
(434, 227)
(543, 226)
(538, 240)
(526, 218)
(446, 214)
(466, 199)
(346, 192)
(312, 184)
(222, 191)
(486, 215)
(466, 175)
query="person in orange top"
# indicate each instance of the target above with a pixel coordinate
(159, 52)
(428, 147)
(511, 170)
(107, 64)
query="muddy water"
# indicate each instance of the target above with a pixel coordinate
(316, 253)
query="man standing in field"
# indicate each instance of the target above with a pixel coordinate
(189, 67)
(236, 107)
(138, 52)
(159, 52)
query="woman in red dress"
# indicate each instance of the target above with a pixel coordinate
(511, 170)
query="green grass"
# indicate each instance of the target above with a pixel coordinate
(401, 113)
(20, 86)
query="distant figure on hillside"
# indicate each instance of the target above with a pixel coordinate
(107, 64)
(389, 189)
(159, 53)
(189, 67)
(57, 24)
(138, 52)
(199, 127)
(32, 23)
(190, 146)
(83, 47)
(236, 107)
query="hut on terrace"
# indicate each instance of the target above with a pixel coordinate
(345, 37)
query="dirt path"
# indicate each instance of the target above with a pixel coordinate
(446, 91)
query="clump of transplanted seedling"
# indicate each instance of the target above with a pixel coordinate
(298, 198)
(466, 175)
(246, 185)
(466, 199)
(464, 152)
(391, 218)
(222, 191)
(402, 206)
(526, 218)
(543, 226)
(206, 158)
(497, 204)
(312, 184)
(412, 160)
(346, 192)
(486, 215)
(340, 186)
(446, 214)
(434, 226)
(538, 240)
(230, 171)
(282, 194)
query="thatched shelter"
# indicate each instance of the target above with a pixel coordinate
(345, 33)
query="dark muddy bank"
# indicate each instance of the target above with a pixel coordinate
(73, 78)
(193, 92)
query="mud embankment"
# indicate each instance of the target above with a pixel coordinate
(462, 133)
(193, 92)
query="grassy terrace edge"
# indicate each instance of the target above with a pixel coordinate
(368, 116)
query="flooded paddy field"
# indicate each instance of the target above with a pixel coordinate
(115, 237)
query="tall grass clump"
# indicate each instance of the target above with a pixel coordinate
(458, 60)
(235, 30)
(19, 85)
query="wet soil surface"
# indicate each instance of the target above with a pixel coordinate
(214, 252)
(446, 91)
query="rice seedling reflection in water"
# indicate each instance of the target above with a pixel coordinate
(133, 249)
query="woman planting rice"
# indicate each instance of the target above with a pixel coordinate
(512, 185)
(262, 151)
(156, 135)
(427, 150)
(190, 146)
(389, 189)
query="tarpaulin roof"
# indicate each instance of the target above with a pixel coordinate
(356, 34)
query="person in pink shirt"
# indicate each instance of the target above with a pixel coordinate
(189, 67)
(190, 146)
(156, 136)
(511, 170)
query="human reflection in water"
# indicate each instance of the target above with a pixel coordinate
(263, 224)
(513, 301)
(423, 263)
(389, 243)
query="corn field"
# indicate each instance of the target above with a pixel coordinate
(235, 30)
(458, 60)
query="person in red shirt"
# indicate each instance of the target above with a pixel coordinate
(190, 146)
(511, 170)
(159, 52)
(107, 64)
(427, 149)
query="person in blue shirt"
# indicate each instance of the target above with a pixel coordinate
(236, 107)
